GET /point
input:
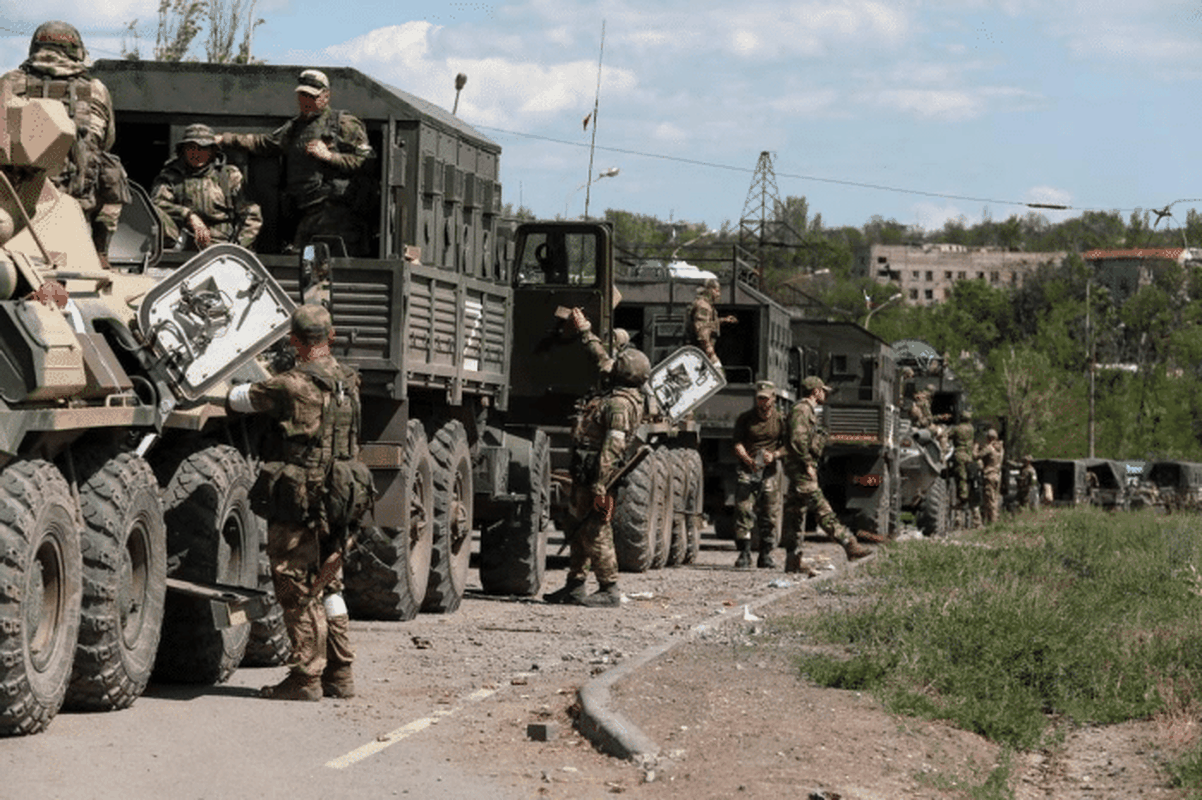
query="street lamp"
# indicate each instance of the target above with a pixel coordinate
(872, 311)
(611, 172)
(710, 232)
(460, 82)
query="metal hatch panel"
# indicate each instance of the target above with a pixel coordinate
(683, 381)
(212, 315)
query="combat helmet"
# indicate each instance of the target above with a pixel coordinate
(63, 36)
(631, 367)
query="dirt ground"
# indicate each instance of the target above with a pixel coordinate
(733, 718)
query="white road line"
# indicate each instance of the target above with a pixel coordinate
(405, 731)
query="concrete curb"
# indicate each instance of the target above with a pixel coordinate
(608, 728)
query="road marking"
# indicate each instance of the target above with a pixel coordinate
(405, 731)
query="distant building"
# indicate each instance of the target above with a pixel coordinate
(1124, 272)
(927, 272)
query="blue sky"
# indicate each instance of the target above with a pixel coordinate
(918, 111)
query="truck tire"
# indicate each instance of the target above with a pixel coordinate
(680, 532)
(269, 645)
(935, 512)
(667, 508)
(454, 494)
(389, 568)
(39, 614)
(124, 581)
(513, 553)
(216, 536)
(694, 504)
(637, 520)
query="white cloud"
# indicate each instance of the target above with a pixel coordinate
(932, 217)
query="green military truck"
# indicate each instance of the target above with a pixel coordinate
(469, 387)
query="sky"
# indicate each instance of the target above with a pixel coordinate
(919, 111)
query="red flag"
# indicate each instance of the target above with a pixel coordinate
(587, 117)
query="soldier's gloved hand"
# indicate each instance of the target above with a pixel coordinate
(318, 149)
(578, 322)
(200, 231)
(603, 504)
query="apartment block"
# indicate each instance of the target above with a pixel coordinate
(926, 273)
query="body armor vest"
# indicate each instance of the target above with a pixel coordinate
(308, 180)
(338, 436)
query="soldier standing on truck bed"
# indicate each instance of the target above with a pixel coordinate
(599, 443)
(704, 322)
(323, 150)
(759, 442)
(200, 196)
(313, 490)
(805, 442)
(57, 68)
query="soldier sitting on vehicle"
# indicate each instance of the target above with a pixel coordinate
(200, 196)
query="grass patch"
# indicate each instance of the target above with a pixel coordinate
(1076, 615)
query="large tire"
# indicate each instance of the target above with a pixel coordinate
(269, 645)
(935, 511)
(216, 536)
(667, 508)
(637, 517)
(124, 581)
(680, 527)
(454, 494)
(694, 504)
(513, 553)
(388, 570)
(40, 570)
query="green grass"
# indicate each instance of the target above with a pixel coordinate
(1016, 631)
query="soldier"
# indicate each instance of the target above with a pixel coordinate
(599, 444)
(962, 457)
(323, 150)
(805, 441)
(704, 322)
(920, 410)
(1028, 485)
(759, 442)
(316, 407)
(57, 67)
(200, 195)
(991, 455)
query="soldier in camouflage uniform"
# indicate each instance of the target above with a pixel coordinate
(316, 407)
(991, 455)
(805, 442)
(200, 196)
(759, 442)
(704, 322)
(599, 442)
(1028, 485)
(920, 410)
(323, 151)
(962, 457)
(57, 67)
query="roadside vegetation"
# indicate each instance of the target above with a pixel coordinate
(1022, 630)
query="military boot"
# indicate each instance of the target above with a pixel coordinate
(766, 561)
(295, 687)
(794, 564)
(572, 593)
(608, 596)
(855, 550)
(744, 559)
(338, 682)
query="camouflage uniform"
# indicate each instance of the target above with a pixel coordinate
(318, 193)
(704, 323)
(1028, 485)
(962, 440)
(212, 192)
(805, 443)
(757, 494)
(57, 68)
(303, 405)
(920, 411)
(991, 455)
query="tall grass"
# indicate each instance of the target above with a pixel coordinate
(1069, 616)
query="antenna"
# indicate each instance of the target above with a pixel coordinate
(596, 105)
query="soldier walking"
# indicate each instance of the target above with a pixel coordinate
(1028, 485)
(316, 408)
(805, 442)
(991, 455)
(759, 442)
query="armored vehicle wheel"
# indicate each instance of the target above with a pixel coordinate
(124, 580)
(388, 570)
(667, 508)
(269, 645)
(216, 536)
(453, 507)
(637, 517)
(680, 531)
(513, 554)
(935, 513)
(39, 615)
(694, 504)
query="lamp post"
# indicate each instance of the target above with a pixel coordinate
(872, 311)
(460, 82)
(694, 240)
(611, 172)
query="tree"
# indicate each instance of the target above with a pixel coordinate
(225, 19)
(180, 22)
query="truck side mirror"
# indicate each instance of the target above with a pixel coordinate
(316, 275)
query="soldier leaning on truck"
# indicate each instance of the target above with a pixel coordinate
(323, 150)
(704, 322)
(313, 450)
(57, 68)
(200, 195)
(805, 440)
(599, 443)
(759, 442)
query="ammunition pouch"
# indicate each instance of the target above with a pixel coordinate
(282, 492)
(584, 466)
(349, 495)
